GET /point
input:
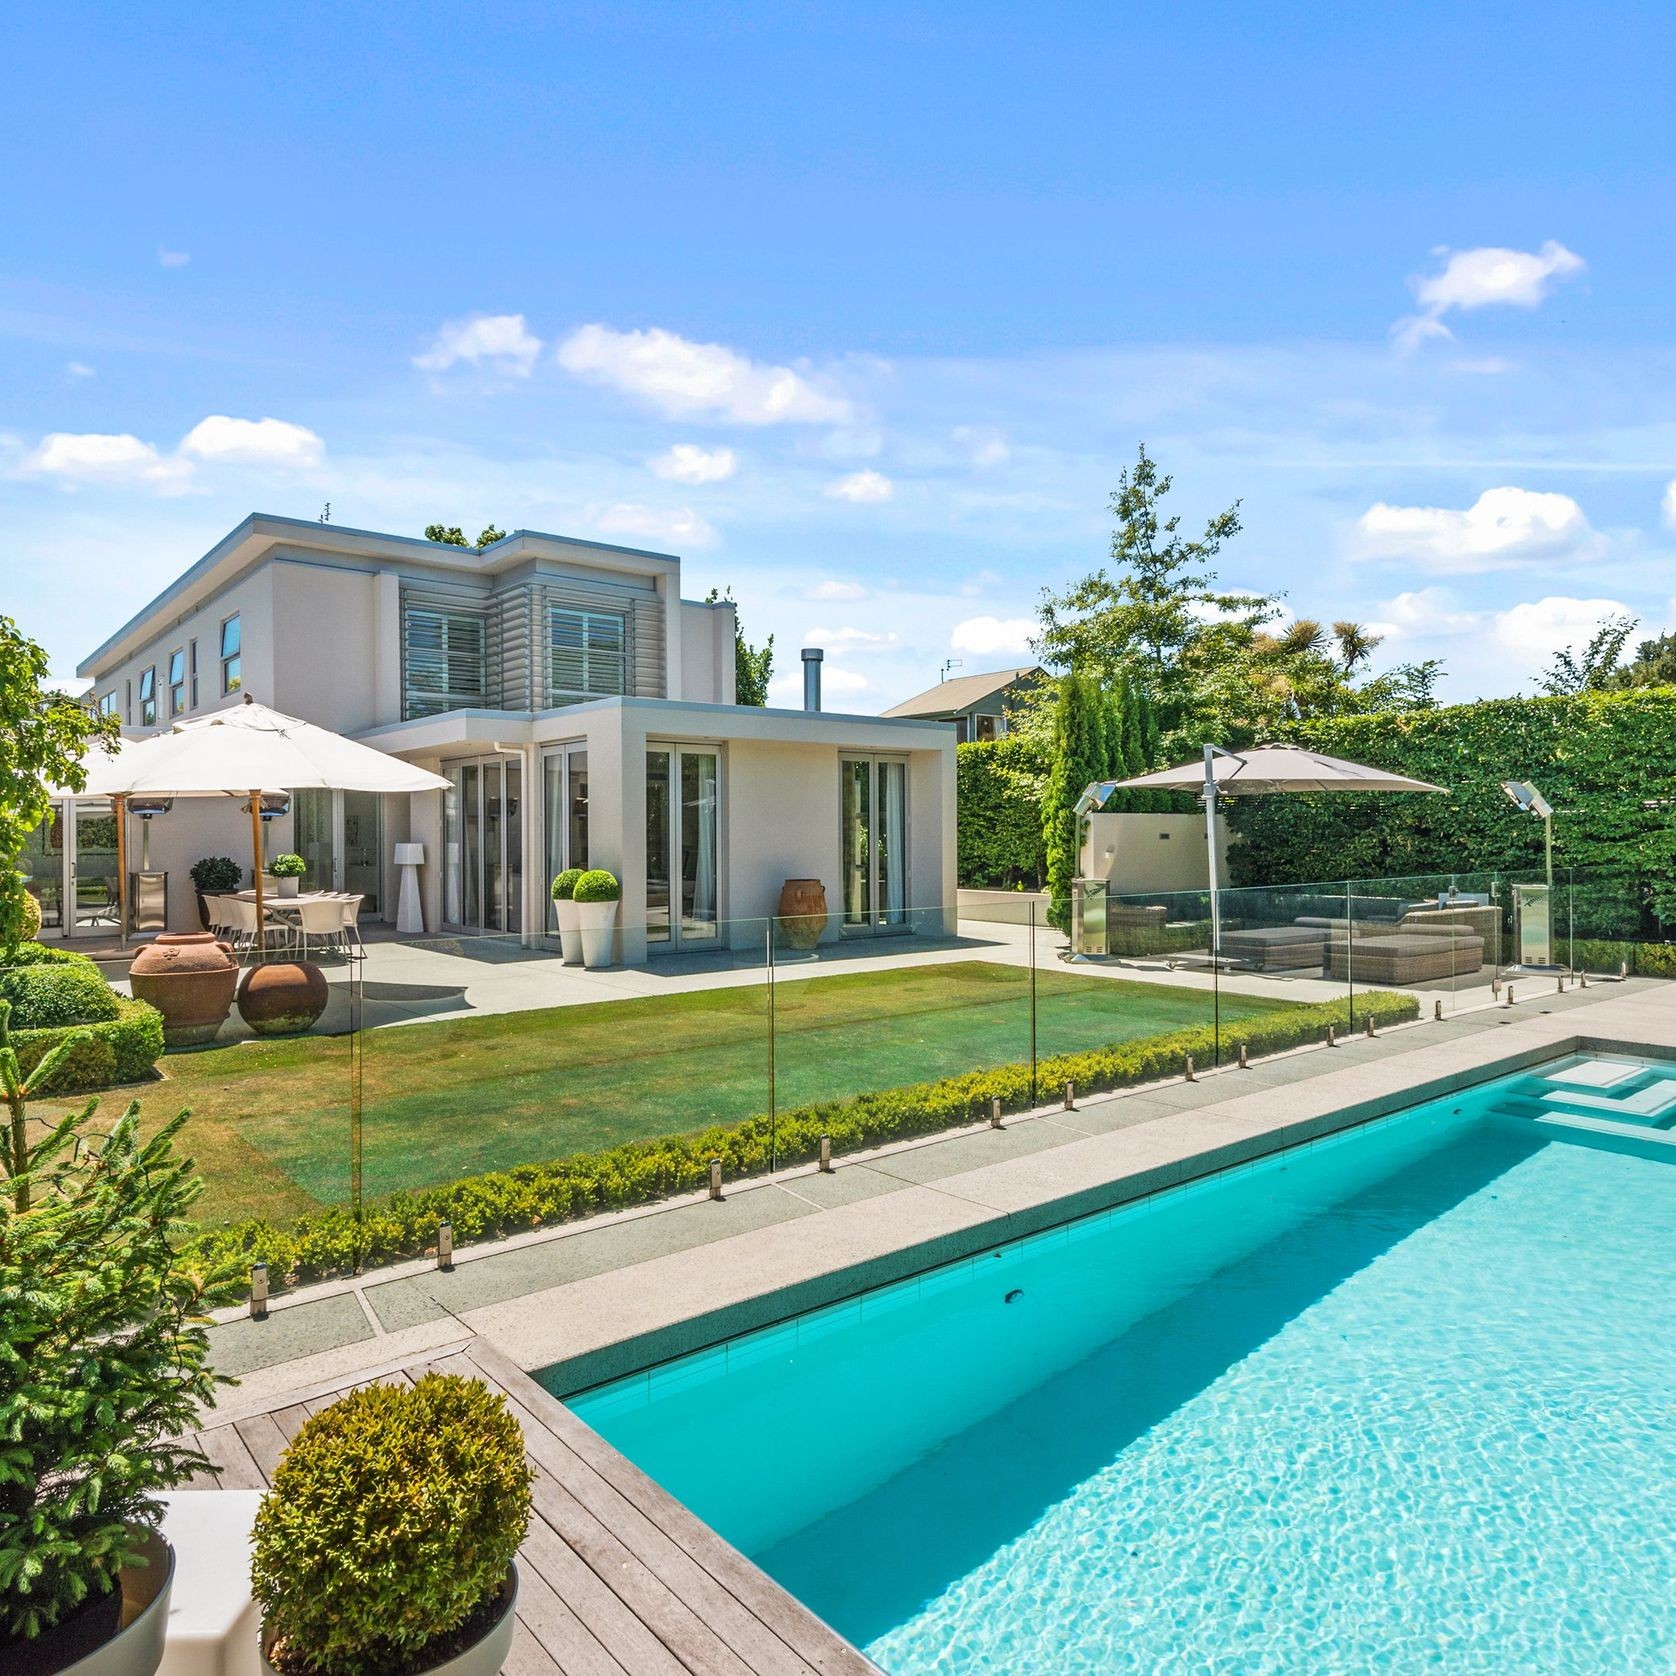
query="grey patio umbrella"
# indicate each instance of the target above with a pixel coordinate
(1254, 773)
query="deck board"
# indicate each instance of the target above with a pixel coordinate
(616, 1577)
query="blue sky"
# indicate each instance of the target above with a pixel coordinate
(861, 309)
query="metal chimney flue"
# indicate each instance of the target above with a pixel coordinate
(812, 656)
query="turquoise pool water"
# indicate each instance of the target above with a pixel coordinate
(1401, 1400)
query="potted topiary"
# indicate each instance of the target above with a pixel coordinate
(214, 875)
(289, 870)
(385, 1546)
(102, 1369)
(596, 894)
(564, 910)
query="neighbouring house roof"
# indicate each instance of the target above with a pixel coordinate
(948, 697)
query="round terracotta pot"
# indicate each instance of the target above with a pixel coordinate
(282, 997)
(189, 978)
(802, 912)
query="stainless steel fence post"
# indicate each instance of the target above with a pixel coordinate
(258, 1291)
(715, 1178)
(445, 1246)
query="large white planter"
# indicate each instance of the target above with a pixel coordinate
(570, 930)
(134, 1650)
(598, 923)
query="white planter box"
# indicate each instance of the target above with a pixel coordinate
(213, 1621)
(598, 922)
(570, 930)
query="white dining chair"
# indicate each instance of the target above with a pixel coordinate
(219, 916)
(322, 921)
(349, 907)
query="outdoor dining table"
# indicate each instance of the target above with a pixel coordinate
(280, 904)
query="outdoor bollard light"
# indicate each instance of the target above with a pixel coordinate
(715, 1178)
(1244, 1062)
(1070, 1096)
(258, 1291)
(1368, 1021)
(445, 1246)
(995, 1111)
(826, 1155)
(1187, 1074)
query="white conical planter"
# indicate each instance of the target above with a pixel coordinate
(570, 930)
(598, 922)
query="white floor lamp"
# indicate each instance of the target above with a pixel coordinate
(410, 916)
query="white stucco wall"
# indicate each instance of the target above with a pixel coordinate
(1151, 852)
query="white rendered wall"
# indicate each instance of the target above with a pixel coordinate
(1151, 852)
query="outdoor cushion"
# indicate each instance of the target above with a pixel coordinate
(1277, 948)
(1404, 957)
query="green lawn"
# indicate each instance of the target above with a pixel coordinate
(270, 1120)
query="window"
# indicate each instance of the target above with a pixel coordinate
(589, 655)
(192, 666)
(148, 697)
(443, 661)
(232, 662)
(107, 703)
(128, 703)
(177, 682)
(986, 728)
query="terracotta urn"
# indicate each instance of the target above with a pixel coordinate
(802, 914)
(189, 977)
(283, 997)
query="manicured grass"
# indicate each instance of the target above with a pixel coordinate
(270, 1120)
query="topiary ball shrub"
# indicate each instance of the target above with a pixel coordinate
(214, 873)
(393, 1518)
(288, 866)
(596, 885)
(31, 917)
(56, 988)
(564, 885)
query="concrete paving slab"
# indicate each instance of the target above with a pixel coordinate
(968, 1152)
(851, 1180)
(296, 1330)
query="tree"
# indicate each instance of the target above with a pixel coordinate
(1594, 668)
(1654, 665)
(752, 665)
(451, 535)
(1076, 760)
(43, 736)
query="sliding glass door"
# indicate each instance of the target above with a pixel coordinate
(873, 849)
(340, 835)
(564, 807)
(683, 787)
(484, 841)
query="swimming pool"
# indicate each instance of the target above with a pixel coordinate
(1397, 1400)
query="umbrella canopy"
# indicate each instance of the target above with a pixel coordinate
(1275, 768)
(250, 747)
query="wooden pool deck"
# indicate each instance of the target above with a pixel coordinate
(616, 1578)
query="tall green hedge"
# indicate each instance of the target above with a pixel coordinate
(999, 796)
(1600, 758)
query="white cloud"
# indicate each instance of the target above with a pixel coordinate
(1473, 279)
(836, 682)
(94, 458)
(986, 637)
(1534, 630)
(861, 488)
(652, 523)
(1425, 612)
(851, 641)
(253, 442)
(686, 462)
(501, 341)
(699, 380)
(1669, 518)
(173, 258)
(79, 369)
(1501, 529)
(830, 590)
(984, 445)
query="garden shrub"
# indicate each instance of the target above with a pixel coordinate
(596, 885)
(999, 787)
(564, 884)
(55, 987)
(330, 1241)
(120, 1049)
(393, 1516)
(1135, 941)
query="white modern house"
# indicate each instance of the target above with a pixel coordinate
(582, 711)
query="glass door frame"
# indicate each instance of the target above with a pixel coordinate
(560, 834)
(682, 935)
(337, 845)
(495, 778)
(879, 918)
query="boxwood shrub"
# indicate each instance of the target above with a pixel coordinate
(120, 1049)
(536, 1195)
(55, 987)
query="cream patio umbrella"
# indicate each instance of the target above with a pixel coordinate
(246, 751)
(1254, 773)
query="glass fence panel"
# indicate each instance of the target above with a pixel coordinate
(1441, 937)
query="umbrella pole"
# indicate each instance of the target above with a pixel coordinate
(256, 851)
(120, 804)
(1209, 796)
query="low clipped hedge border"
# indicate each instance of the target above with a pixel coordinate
(503, 1202)
(117, 1050)
(1599, 954)
(49, 993)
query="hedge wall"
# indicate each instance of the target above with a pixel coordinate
(118, 1050)
(1599, 758)
(999, 803)
(57, 988)
(533, 1195)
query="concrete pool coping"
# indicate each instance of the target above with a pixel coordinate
(593, 1300)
